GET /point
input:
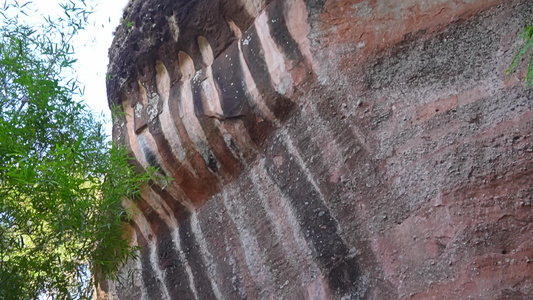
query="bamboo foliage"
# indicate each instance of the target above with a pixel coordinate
(61, 180)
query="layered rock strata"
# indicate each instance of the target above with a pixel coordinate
(326, 149)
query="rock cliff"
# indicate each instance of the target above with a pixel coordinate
(364, 149)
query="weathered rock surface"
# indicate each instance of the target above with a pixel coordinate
(327, 149)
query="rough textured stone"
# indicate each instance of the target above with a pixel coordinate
(327, 149)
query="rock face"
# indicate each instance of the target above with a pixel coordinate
(326, 149)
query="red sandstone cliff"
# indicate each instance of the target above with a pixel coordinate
(327, 149)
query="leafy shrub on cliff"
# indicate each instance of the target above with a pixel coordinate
(61, 182)
(527, 36)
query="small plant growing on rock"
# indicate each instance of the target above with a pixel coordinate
(527, 36)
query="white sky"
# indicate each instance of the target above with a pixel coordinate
(91, 48)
